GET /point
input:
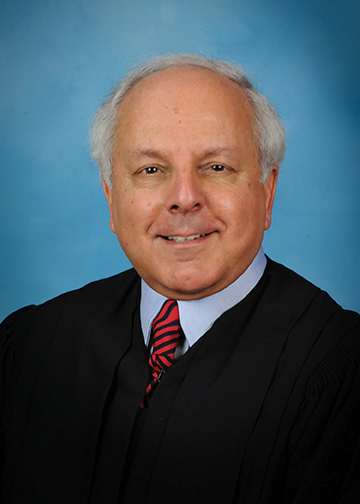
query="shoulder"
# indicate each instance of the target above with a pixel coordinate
(318, 328)
(95, 301)
(97, 292)
(291, 287)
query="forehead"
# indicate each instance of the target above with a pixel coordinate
(189, 90)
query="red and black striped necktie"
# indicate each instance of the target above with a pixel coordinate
(166, 335)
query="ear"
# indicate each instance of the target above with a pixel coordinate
(269, 191)
(108, 194)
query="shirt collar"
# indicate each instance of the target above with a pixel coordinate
(198, 315)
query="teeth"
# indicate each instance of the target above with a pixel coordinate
(179, 239)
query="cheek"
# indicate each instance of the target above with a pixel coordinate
(244, 212)
(233, 206)
(132, 213)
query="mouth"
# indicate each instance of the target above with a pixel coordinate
(181, 239)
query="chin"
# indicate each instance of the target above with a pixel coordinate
(193, 289)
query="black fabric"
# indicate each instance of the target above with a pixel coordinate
(120, 420)
(264, 408)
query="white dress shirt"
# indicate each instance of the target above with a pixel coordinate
(198, 315)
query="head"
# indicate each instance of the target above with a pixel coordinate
(187, 178)
(267, 126)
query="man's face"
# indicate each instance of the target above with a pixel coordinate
(187, 205)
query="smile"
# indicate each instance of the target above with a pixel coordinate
(180, 239)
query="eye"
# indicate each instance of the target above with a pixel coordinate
(151, 169)
(217, 167)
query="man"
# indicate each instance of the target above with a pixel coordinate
(246, 387)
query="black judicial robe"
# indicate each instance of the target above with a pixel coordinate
(264, 408)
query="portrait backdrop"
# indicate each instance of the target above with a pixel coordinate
(59, 58)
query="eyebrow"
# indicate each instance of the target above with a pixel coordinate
(153, 153)
(217, 151)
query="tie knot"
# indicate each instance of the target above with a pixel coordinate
(166, 334)
(166, 323)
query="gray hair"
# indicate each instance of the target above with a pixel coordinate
(268, 129)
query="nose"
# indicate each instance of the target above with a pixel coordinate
(185, 193)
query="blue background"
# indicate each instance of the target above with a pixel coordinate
(59, 58)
